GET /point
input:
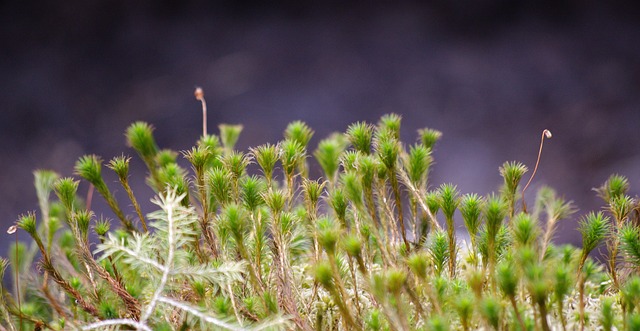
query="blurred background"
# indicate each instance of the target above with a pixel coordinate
(489, 74)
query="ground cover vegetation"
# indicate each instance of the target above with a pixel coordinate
(370, 245)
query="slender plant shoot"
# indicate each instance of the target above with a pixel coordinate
(545, 134)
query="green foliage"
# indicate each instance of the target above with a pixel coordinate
(507, 279)
(418, 163)
(511, 173)
(229, 135)
(449, 200)
(439, 251)
(615, 187)
(252, 189)
(525, 230)
(360, 136)
(220, 184)
(471, 206)
(166, 157)
(120, 165)
(140, 137)
(607, 318)
(630, 244)
(328, 155)
(234, 247)
(27, 222)
(338, 202)
(429, 137)
(292, 155)
(388, 150)
(593, 227)
(299, 132)
(432, 199)
(491, 311)
(266, 156)
(390, 123)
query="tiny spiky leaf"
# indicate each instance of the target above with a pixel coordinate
(507, 279)
(328, 155)
(449, 200)
(219, 180)
(312, 190)
(495, 212)
(199, 157)
(512, 173)
(292, 154)
(89, 167)
(266, 156)
(338, 202)
(275, 200)
(471, 206)
(328, 234)
(66, 189)
(140, 137)
(391, 123)
(491, 311)
(594, 227)
(418, 163)
(352, 245)
(27, 222)
(396, 279)
(360, 136)
(229, 135)
(525, 229)
(252, 189)
(630, 243)
(439, 251)
(418, 262)
(102, 226)
(388, 151)
(324, 274)
(166, 157)
(299, 131)
(236, 163)
(352, 187)
(120, 165)
(615, 186)
(429, 137)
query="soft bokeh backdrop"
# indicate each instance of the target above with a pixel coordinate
(490, 74)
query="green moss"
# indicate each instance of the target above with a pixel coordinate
(232, 246)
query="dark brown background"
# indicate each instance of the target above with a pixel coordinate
(490, 74)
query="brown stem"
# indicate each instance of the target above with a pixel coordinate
(18, 280)
(452, 248)
(512, 299)
(90, 196)
(612, 262)
(47, 294)
(340, 284)
(543, 316)
(86, 306)
(132, 304)
(134, 201)
(253, 276)
(416, 301)
(563, 321)
(581, 306)
(545, 134)
(355, 285)
(199, 94)
(419, 198)
(398, 198)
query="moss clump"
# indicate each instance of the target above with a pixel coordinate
(366, 246)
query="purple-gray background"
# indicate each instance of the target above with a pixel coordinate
(490, 74)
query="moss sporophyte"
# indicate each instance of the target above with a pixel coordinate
(372, 244)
